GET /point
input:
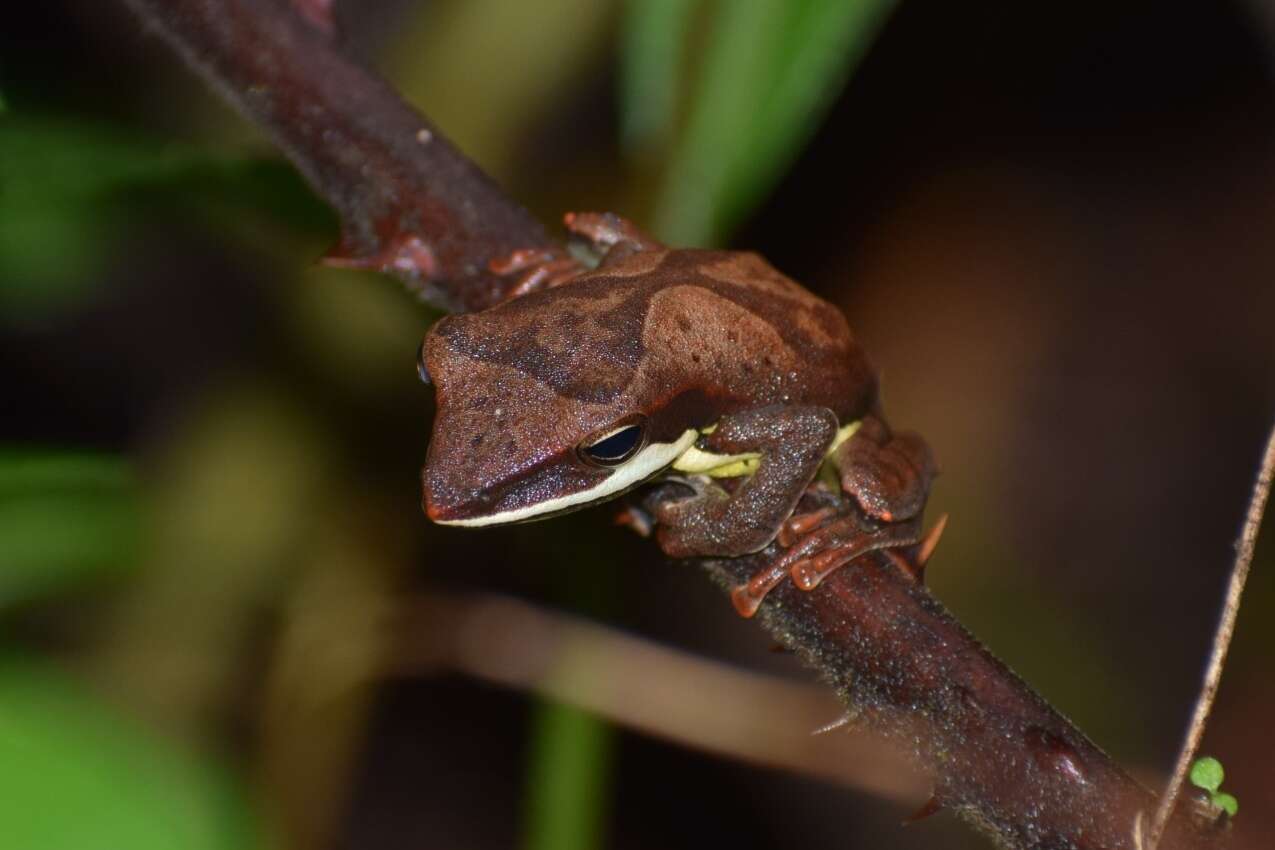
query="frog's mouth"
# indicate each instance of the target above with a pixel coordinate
(651, 460)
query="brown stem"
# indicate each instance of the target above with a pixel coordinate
(1244, 550)
(657, 690)
(409, 202)
(998, 754)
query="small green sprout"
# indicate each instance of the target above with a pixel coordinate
(1207, 774)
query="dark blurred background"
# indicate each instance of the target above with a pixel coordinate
(1050, 223)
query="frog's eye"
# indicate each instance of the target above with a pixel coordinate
(615, 446)
(420, 363)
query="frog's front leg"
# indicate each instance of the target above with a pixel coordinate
(791, 440)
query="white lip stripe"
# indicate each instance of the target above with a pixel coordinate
(644, 464)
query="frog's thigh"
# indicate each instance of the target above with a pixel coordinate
(888, 474)
(791, 440)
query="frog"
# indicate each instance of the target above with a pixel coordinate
(706, 373)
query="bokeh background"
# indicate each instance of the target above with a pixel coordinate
(224, 622)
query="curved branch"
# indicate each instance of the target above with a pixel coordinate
(1244, 550)
(409, 202)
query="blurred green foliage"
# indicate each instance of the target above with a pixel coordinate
(65, 518)
(729, 126)
(69, 189)
(76, 776)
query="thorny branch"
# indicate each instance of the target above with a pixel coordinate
(410, 203)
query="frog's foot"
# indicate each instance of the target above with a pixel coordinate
(888, 474)
(798, 526)
(534, 269)
(820, 553)
(609, 236)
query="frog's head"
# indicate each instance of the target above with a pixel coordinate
(540, 409)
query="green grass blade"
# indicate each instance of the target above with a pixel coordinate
(68, 190)
(652, 54)
(568, 785)
(769, 69)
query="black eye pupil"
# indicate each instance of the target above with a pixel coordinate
(616, 447)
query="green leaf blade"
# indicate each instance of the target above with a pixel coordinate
(570, 779)
(769, 69)
(651, 56)
(70, 191)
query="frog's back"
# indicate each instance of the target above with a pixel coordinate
(729, 321)
(696, 331)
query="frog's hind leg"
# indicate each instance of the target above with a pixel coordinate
(889, 475)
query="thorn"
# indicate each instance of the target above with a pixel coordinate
(635, 520)
(844, 720)
(911, 569)
(406, 254)
(318, 13)
(930, 542)
(931, 806)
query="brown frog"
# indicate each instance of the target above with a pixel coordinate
(707, 370)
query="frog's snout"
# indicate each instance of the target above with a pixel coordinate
(444, 505)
